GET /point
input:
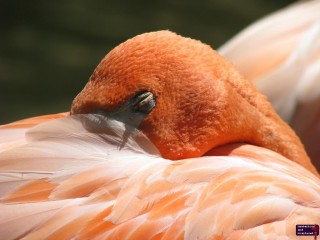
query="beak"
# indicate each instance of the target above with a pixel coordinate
(134, 111)
(131, 114)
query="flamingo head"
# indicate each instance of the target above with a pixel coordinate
(179, 92)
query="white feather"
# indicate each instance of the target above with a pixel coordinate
(99, 186)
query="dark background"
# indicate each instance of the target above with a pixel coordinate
(48, 49)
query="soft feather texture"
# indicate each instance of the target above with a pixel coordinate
(285, 65)
(13, 134)
(66, 182)
(265, 44)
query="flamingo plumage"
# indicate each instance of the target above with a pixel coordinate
(166, 141)
(287, 68)
(95, 191)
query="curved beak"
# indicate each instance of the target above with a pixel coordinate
(131, 113)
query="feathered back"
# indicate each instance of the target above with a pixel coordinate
(72, 180)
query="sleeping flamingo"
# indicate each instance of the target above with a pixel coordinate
(166, 141)
(287, 68)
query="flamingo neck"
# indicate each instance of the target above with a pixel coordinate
(254, 121)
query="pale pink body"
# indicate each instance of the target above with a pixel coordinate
(65, 183)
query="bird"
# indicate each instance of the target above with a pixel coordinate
(166, 141)
(287, 68)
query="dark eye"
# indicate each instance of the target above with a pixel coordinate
(144, 102)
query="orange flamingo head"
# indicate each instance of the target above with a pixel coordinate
(191, 99)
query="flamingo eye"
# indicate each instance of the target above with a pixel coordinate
(143, 102)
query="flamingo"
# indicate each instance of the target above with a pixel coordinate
(166, 141)
(290, 60)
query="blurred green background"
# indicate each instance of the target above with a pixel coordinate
(49, 48)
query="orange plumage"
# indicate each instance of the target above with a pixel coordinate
(195, 89)
(239, 172)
